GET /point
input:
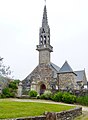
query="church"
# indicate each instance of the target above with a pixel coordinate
(47, 75)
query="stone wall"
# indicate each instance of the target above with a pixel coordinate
(64, 115)
(44, 56)
(66, 80)
(42, 74)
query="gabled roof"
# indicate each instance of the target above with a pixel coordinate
(65, 68)
(55, 67)
(81, 76)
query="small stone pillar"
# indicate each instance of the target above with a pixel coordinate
(19, 90)
(33, 86)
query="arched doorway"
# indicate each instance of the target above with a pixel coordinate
(42, 88)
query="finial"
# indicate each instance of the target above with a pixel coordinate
(45, 2)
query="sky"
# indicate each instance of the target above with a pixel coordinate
(20, 21)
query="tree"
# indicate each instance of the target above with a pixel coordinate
(11, 89)
(4, 70)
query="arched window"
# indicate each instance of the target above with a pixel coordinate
(41, 40)
(43, 31)
(44, 39)
(49, 39)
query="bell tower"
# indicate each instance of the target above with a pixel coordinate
(44, 46)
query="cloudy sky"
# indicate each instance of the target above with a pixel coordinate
(19, 33)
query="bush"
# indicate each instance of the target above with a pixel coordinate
(83, 100)
(64, 97)
(68, 98)
(47, 95)
(32, 93)
(7, 93)
(57, 97)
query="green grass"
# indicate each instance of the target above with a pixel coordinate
(12, 109)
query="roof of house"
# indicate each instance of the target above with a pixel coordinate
(65, 68)
(81, 76)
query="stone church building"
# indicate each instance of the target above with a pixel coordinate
(47, 75)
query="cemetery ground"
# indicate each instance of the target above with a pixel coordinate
(15, 108)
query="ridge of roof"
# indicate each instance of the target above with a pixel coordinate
(65, 68)
(57, 68)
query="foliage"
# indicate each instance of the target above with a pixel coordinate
(13, 85)
(64, 97)
(33, 93)
(68, 98)
(47, 95)
(57, 97)
(11, 109)
(4, 70)
(83, 100)
(6, 92)
(10, 91)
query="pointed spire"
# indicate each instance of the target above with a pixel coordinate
(44, 20)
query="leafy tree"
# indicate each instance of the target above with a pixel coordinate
(13, 85)
(11, 90)
(4, 70)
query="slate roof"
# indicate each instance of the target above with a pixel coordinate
(65, 68)
(81, 76)
(55, 67)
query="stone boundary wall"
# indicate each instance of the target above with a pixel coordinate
(64, 115)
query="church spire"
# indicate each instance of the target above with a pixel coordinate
(44, 20)
(44, 46)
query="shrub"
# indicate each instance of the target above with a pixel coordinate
(68, 98)
(42, 96)
(47, 95)
(32, 93)
(7, 93)
(64, 97)
(83, 100)
(57, 97)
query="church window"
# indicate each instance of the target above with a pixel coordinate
(44, 39)
(49, 39)
(41, 40)
(43, 31)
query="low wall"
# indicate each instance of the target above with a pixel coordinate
(64, 115)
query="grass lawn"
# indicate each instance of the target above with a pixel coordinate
(12, 109)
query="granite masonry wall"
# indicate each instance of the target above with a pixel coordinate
(64, 115)
(66, 80)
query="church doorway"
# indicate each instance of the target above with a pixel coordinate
(42, 88)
